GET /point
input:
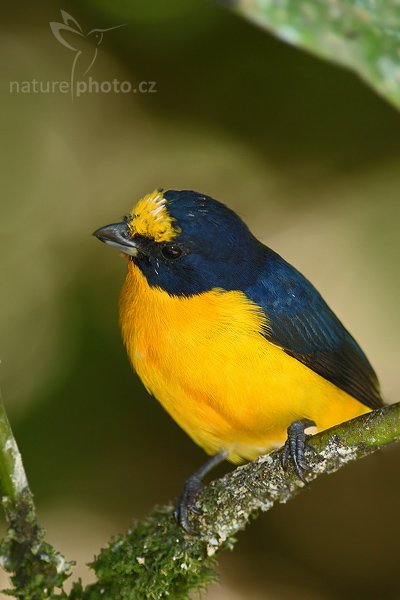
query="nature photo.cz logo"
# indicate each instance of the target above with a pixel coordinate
(70, 34)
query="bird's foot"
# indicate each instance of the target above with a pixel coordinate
(191, 489)
(294, 447)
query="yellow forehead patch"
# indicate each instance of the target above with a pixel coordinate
(150, 217)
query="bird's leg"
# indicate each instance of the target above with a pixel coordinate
(294, 447)
(191, 489)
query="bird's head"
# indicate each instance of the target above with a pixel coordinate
(186, 243)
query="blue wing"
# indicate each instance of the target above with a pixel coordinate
(306, 328)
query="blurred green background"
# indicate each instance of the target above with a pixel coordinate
(306, 153)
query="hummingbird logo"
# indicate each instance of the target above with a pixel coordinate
(71, 35)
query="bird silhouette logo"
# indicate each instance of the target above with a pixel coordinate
(71, 35)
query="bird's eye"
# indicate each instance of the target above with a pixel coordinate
(171, 251)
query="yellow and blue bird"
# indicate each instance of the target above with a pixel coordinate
(237, 345)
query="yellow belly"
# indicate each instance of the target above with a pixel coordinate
(204, 359)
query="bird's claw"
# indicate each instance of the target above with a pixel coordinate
(294, 448)
(193, 485)
(186, 503)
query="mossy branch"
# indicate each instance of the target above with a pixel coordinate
(37, 569)
(156, 559)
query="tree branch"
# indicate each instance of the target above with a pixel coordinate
(36, 567)
(157, 559)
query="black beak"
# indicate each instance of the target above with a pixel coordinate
(118, 236)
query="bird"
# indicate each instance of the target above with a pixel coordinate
(235, 343)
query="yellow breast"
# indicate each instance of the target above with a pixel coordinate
(205, 359)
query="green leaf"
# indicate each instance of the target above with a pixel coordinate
(363, 35)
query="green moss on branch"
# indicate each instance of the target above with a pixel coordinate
(37, 570)
(157, 560)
